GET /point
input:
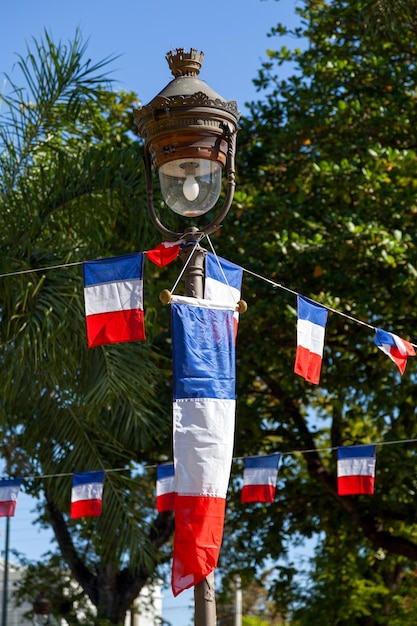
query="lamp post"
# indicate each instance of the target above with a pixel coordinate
(189, 133)
(41, 610)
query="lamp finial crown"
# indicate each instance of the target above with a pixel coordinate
(183, 63)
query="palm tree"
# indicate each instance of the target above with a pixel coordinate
(70, 188)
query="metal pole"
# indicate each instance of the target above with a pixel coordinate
(204, 595)
(238, 600)
(205, 602)
(6, 574)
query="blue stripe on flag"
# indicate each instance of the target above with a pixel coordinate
(268, 460)
(165, 471)
(11, 482)
(383, 337)
(356, 452)
(308, 310)
(113, 269)
(85, 478)
(232, 272)
(203, 352)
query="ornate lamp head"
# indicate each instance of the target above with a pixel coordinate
(190, 137)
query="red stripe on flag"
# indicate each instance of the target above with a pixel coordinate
(162, 254)
(7, 508)
(258, 493)
(165, 502)
(115, 327)
(86, 508)
(355, 485)
(198, 536)
(308, 365)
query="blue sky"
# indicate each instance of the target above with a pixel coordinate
(233, 36)
(231, 33)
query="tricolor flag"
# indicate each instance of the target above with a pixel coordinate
(87, 494)
(396, 348)
(164, 253)
(113, 294)
(9, 492)
(223, 282)
(204, 420)
(356, 470)
(165, 487)
(311, 325)
(260, 477)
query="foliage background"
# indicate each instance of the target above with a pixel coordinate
(326, 206)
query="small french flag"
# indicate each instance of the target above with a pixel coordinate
(164, 253)
(396, 348)
(356, 470)
(311, 325)
(9, 492)
(223, 282)
(260, 477)
(87, 494)
(113, 294)
(165, 487)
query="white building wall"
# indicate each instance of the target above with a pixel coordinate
(147, 611)
(14, 614)
(148, 608)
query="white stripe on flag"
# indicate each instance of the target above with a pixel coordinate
(222, 292)
(203, 436)
(400, 344)
(9, 493)
(356, 467)
(165, 485)
(310, 336)
(115, 296)
(89, 491)
(201, 302)
(259, 476)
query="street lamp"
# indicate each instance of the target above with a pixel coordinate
(189, 133)
(41, 610)
(190, 138)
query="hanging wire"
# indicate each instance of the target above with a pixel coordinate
(40, 269)
(237, 458)
(197, 243)
(247, 271)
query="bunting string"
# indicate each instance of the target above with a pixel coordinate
(180, 275)
(150, 466)
(329, 308)
(40, 269)
(247, 271)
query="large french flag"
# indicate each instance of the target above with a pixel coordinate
(9, 492)
(87, 494)
(356, 470)
(165, 487)
(203, 433)
(113, 294)
(223, 282)
(396, 348)
(311, 326)
(260, 477)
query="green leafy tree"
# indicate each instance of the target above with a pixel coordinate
(72, 190)
(326, 207)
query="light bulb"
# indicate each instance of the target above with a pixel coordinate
(190, 188)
